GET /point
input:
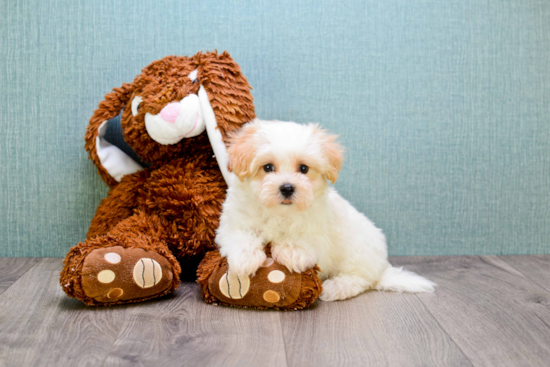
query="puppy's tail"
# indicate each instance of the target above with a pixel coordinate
(399, 280)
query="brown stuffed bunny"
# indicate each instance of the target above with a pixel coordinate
(156, 217)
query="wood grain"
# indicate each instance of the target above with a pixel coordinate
(485, 312)
(534, 267)
(41, 326)
(496, 315)
(185, 331)
(12, 268)
(373, 329)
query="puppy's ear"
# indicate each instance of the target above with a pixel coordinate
(242, 150)
(332, 151)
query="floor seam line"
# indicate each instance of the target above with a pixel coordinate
(446, 332)
(283, 338)
(40, 259)
(525, 275)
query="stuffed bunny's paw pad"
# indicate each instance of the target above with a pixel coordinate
(113, 274)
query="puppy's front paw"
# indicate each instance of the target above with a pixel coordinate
(296, 259)
(245, 263)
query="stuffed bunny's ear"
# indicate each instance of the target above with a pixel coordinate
(111, 162)
(226, 102)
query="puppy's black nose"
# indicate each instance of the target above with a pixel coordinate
(287, 190)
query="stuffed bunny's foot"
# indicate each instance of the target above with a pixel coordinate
(114, 274)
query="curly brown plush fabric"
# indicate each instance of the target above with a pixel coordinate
(171, 208)
(272, 287)
(138, 231)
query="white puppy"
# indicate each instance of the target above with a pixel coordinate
(282, 196)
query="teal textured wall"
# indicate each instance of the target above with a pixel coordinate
(444, 107)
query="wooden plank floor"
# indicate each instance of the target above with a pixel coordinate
(487, 311)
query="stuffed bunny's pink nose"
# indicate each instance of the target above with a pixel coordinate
(170, 112)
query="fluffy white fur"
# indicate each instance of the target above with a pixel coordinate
(314, 226)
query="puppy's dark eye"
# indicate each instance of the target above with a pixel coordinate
(195, 81)
(303, 168)
(269, 167)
